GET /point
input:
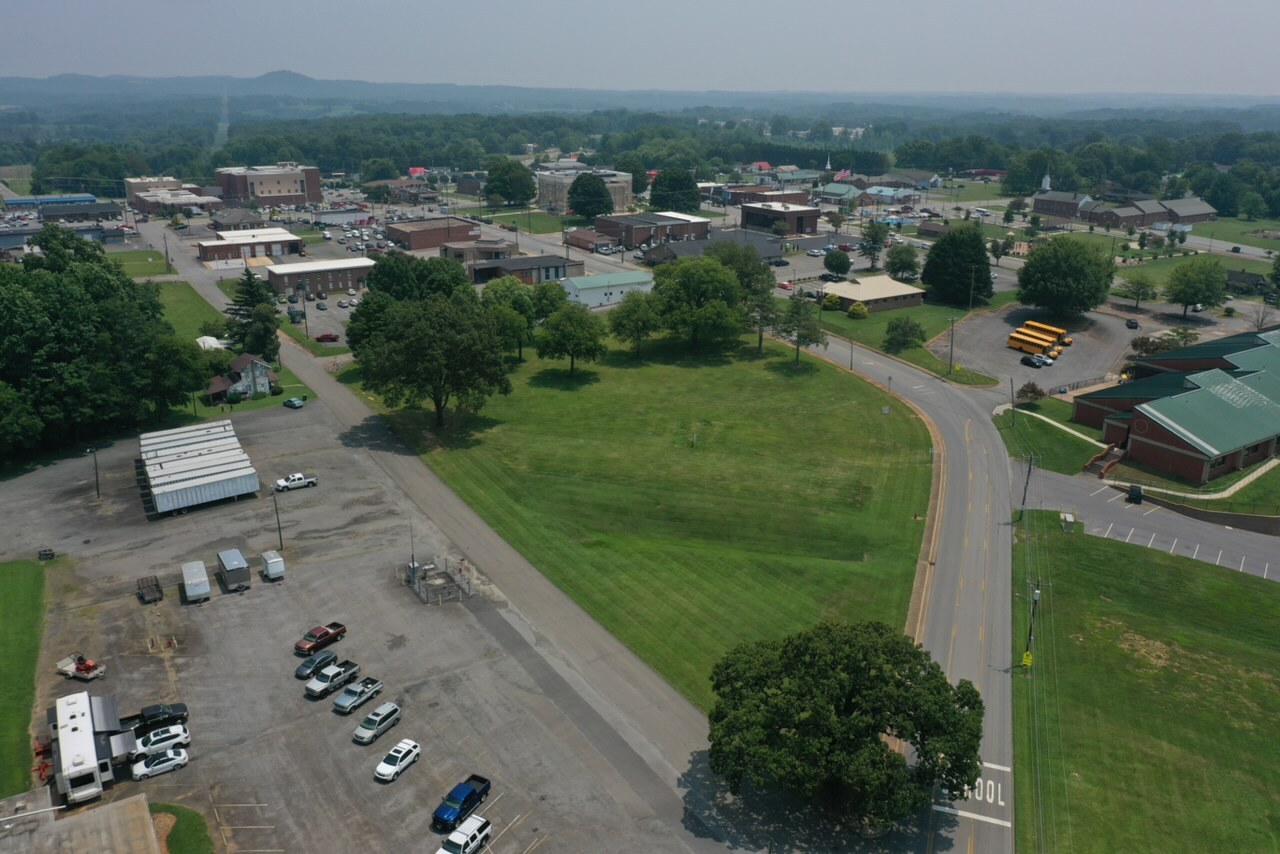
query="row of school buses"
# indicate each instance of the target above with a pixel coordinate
(1040, 338)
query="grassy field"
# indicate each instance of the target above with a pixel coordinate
(21, 617)
(539, 222)
(968, 191)
(191, 833)
(140, 263)
(934, 318)
(1055, 449)
(1159, 270)
(1060, 411)
(693, 504)
(1235, 231)
(1147, 720)
(1260, 497)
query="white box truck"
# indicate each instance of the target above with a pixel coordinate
(195, 581)
(272, 566)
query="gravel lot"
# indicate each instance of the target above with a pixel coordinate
(271, 769)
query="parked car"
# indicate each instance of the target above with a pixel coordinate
(1030, 361)
(831, 277)
(315, 663)
(472, 835)
(351, 292)
(815, 253)
(311, 297)
(343, 303)
(399, 758)
(786, 286)
(1198, 307)
(161, 740)
(1044, 360)
(322, 306)
(292, 298)
(320, 636)
(327, 337)
(461, 801)
(295, 403)
(154, 717)
(780, 262)
(161, 763)
(1131, 324)
(376, 723)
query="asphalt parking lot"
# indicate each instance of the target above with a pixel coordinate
(270, 769)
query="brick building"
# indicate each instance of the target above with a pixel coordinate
(530, 269)
(286, 183)
(799, 219)
(431, 233)
(243, 245)
(1189, 211)
(469, 251)
(83, 212)
(1058, 203)
(1197, 412)
(320, 276)
(877, 293)
(632, 230)
(237, 219)
(170, 200)
(553, 187)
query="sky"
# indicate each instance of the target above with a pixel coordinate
(1032, 46)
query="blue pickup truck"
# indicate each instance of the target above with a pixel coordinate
(460, 803)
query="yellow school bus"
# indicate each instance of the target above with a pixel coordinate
(1025, 344)
(1057, 333)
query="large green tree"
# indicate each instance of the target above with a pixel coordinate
(83, 349)
(378, 169)
(1138, 286)
(1197, 281)
(442, 348)
(837, 262)
(633, 320)
(874, 237)
(516, 298)
(902, 333)
(589, 196)
(573, 332)
(956, 271)
(1066, 276)
(245, 321)
(633, 165)
(816, 713)
(548, 298)
(675, 190)
(408, 277)
(901, 262)
(756, 283)
(800, 323)
(699, 299)
(511, 180)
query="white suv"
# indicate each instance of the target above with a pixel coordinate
(160, 740)
(471, 835)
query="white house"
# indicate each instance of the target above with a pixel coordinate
(608, 289)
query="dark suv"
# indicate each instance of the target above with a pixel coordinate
(1030, 361)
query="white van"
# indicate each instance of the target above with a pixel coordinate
(272, 566)
(376, 723)
(195, 581)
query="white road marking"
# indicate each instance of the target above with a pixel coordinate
(973, 815)
(1103, 489)
(1174, 546)
(1264, 570)
(1218, 562)
(1117, 495)
(1152, 510)
(1196, 552)
(1152, 542)
(1131, 530)
(1242, 563)
(215, 806)
(996, 767)
(1108, 533)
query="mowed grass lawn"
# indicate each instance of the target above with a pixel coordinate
(21, 619)
(1054, 448)
(1148, 719)
(190, 834)
(139, 263)
(1234, 230)
(691, 504)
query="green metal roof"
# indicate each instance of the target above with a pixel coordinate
(1158, 385)
(1223, 413)
(1220, 348)
(610, 280)
(840, 190)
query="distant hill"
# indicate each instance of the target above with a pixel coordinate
(84, 91)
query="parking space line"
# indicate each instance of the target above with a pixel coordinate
(1107, 535)
(1152, 542)
(1103, 489)
(1117, 495)
(1218, 562)
(1131, 530)
(1196, 552)
(1152, 510)
(1264, 570)
(1174, 546)
(536, 844)
(510, 826)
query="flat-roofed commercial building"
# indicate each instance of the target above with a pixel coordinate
(320, 276)
(255, 243)
(530, 269)
(166, 199)
(554, 184)
(286, 183)
(632, 230)
(484, 249)
(432, 233)
(799, 219)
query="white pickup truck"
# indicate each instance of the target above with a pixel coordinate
(356, 694)
(297, 480)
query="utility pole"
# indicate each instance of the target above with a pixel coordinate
(279, 530)
(1031, 625)
(97, 484)
(1013, 405)
(951, 353)
(1026, 486)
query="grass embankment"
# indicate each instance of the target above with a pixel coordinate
(140, 263)
(1147, 720)
(190, 835)
(1159, 270)
(1233, 231)
(21, 618)
(186, 311)
(691, 504)
(1260, 497)
(1054, 448)
(935, 319)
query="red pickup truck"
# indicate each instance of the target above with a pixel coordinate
(319, 637)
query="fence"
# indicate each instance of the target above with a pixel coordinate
(440, 580)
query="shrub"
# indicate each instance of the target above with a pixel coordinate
(234, 397)
(1229, 311)
(830, 302)
(276, 390)
(858, 311)
(259, 395)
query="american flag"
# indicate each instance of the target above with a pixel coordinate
(843, 173)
